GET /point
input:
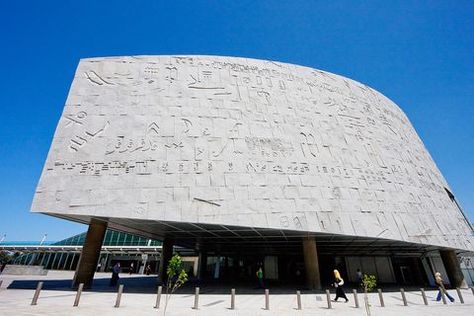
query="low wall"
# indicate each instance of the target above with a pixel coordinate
(24, 270)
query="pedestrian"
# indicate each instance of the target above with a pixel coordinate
(115, 274)
(298, 275)
(132, 268)
(260, 278)
(359, 277)
(440, 283)
(148, 270)
(338, 283)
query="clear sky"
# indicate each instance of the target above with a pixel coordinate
(418, 53)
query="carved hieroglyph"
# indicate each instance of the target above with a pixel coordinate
(243, 142)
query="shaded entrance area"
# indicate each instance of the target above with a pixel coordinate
(233, 254)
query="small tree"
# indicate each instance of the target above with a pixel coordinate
(369, 282)
(176, 277)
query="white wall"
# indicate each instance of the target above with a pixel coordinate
(244, 142)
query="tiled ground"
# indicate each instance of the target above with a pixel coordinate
(16, 301)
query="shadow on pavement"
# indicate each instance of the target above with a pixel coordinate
(149, 284)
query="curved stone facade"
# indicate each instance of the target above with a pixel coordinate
(243, 142)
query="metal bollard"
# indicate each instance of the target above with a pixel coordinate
(34, 301)
(232, 299)
(423, 294)
(267, 299)
(382, 303)
(196, 299)
(298, 299)
(78, 294)
(461, 299)
(1, 281)
(356, 299)
(328, 297)
(119, 296)
(158, 297)
(402, 291)
(443, 296)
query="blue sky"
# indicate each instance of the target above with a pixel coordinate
(418, 53)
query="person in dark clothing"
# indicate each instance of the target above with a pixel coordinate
(115, 274)
(148, 270)
(339, 282)
(359, 277)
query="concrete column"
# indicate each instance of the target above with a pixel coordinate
(313, 279)
(453, 268)
(166, 254)
(202, 264)
(90, 254)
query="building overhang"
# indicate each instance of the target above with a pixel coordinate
(230, 239)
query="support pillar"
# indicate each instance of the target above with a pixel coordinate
(202, 264)
(90, 254)
(453, 268)
(313, 279)
(166, 254)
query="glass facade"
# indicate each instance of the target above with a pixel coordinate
(112, 238)
(68, 260)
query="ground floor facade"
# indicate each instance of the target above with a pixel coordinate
(285, 269)
(304, 261)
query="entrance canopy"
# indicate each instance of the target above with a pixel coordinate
(225, 239)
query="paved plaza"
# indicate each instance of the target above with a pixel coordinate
(17, 291)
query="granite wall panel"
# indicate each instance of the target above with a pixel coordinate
(243, 142)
